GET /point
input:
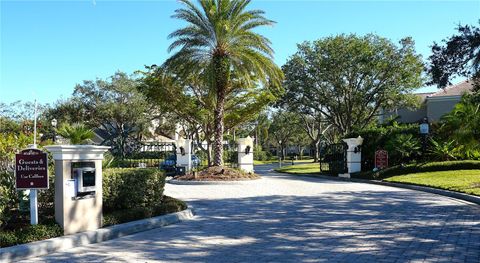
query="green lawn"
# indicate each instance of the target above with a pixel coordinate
(257, 162)
(308, 168)
(466, 181)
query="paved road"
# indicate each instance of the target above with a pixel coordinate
(299, 219)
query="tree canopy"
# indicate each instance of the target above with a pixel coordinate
(113, 106)
(458, 56)
(348, 78)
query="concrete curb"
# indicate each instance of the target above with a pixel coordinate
(447, 193)
(39, 248)
(181, 182)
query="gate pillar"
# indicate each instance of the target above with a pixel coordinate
(245, 154)
(184, 154)
(78, 186)
(354, 156)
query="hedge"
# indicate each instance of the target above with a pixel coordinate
(131, 188)
(419, 168)
(377, 137)
(29, 234)
(169, 205)
(128, 194)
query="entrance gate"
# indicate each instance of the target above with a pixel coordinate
(334, 159)
(151, 154)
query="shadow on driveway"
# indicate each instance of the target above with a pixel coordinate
(371, 226)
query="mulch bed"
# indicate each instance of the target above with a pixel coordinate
(217, 173)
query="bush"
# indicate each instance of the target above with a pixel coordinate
(230, 157)
(132, 187)
(3, 204)
(419, 168)
(126, 215)
(168, 205)
(260, 156)
(443, 150)
(29, 234)
(402, 148)
(8, 196)
(377, 137)
(46, 197)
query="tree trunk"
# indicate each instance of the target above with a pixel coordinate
(316, 149)
(209, 152)
(221, 67)
(218, 141)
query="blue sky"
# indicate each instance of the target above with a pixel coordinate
(49, 46)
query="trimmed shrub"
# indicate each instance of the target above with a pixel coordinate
(29, 234)
(419, 168)
(126, 215)
(169, 205)
(132, 187)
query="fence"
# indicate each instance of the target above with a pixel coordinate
(147, 155)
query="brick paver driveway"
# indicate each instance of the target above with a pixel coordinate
(298, 219)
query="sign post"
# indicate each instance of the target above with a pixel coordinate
(31, 173)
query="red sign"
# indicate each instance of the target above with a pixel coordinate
(31, 169)
(381, 159)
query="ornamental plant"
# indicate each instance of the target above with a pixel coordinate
(76, 133)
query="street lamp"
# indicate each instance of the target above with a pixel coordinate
(54, 125)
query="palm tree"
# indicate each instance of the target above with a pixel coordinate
(463, 124)
(76, 133)
(219, 43)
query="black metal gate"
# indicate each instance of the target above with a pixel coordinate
(334, 159)
(150, 154)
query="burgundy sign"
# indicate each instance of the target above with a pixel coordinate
(381, 159)
(31, 170)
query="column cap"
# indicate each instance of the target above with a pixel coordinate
(77, 152)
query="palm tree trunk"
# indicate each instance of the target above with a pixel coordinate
(219, 127)
(221, 67)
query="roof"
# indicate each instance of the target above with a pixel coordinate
(455, 90)
(423, 96)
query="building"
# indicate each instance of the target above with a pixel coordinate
(433, 105)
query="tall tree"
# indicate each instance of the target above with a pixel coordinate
(191, 101)
(283, 129)
(114, 106)
(219, 43)
(347, 78)
(459, 56)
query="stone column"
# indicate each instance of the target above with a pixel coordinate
(354, 156)
(245, 154)
(77, 212)
(184, 154)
